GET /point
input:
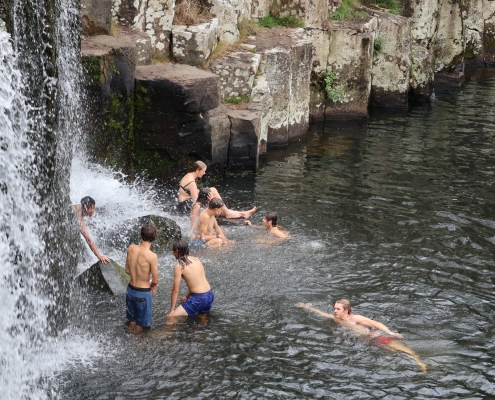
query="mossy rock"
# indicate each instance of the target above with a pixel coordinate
(108, 278)
(130, 232)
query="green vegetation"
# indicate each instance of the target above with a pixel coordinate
(393, 6)
(288, 21)
(159, 57)
(247, 28)
(377, 46)
(346, 11)
(234, 98)
(334, 92)
(92, 69)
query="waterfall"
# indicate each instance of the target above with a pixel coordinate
(40, 116)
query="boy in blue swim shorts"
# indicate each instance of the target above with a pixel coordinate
(141, 262)
(199, 298)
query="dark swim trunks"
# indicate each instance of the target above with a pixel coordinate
(185, 207)
(138, 302)
(198, 303)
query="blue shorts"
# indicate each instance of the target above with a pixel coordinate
(138, 305)
(197, 243)
(198, 303)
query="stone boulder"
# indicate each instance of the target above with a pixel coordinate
(142, 43)
(220, 134)
(350, 59)
(227, 12)
(313, 13)
(244, 139)
(424, 20)
(108, 278)
(129, 232)
(391, 66)
(171, 100)
(489, 33)
(286, 61)
(96, 17)
(422, 78)
(236, 72)
(193, 44)
(473, 32)
(448, 46)
(262, 100)
(109, 64)
(154, 17)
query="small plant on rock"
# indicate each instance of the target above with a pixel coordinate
(377, 46)
(234, 98)
(334, 92)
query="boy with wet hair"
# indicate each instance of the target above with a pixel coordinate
(367, 327)
(87, 208)
(206, 228)
(199, 298)
(141, 262)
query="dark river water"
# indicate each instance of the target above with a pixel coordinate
(395, 214)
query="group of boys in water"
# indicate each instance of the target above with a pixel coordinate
(203, 206)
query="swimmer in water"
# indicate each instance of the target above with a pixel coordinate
(367, 327)
(270, 224)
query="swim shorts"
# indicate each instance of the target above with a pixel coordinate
(185, 207)
(138, 305)
(383, 340)
(198, 303)
(197, 243)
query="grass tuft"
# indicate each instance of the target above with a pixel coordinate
(191, 12)
(288, 21)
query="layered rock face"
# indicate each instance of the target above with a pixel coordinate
(173, 99)
(275, 82)
(350, 59)
(391, 61)
(286, 59)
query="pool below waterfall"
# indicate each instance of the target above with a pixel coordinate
(395, 214)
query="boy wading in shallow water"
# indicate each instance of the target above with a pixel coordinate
(140, 264)
(200, 298)
(367, 327)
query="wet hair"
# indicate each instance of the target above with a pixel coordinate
(198, 165)
(215, 203)
(181, 246)
(203, 197)
(345, 303)
(271, 216)
(87, 202)
(148, 233)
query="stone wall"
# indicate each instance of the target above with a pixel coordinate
(283, 78)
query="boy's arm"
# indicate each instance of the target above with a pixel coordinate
(175, 288)
(154, 273)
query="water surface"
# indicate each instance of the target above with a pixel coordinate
(395, 214)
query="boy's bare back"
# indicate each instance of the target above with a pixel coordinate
(141, 263)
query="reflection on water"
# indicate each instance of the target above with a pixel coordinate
(395, 215)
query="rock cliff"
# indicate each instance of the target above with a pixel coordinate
(332, 64)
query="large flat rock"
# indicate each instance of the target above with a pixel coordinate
(108, 278)
(180, 88)
(171, 104)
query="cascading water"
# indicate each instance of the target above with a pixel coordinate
(39, 119)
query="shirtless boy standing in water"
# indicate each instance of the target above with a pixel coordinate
(200, 298)
(140, 264)
(358, 323)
